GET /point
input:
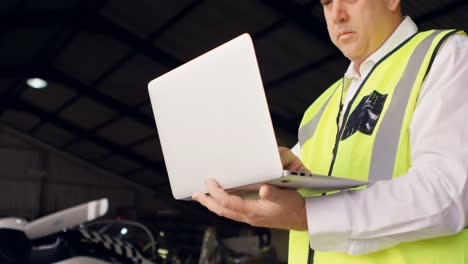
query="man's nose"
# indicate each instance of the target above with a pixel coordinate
(339, 12)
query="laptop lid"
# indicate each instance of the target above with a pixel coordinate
(213, 121)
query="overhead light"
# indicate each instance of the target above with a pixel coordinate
(163, 251)
(161, 233)
(124, 231)
(36, 83)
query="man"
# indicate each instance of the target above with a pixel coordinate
(397, 119)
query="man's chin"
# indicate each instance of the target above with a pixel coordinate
(351, 52)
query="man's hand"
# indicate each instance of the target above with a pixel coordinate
(276, 208)
(290, 161)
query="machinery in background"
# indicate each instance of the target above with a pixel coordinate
(74, 236)
(61, 238)
(246, 249)
(135, 234)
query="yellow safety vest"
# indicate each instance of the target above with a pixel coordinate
(373, 144)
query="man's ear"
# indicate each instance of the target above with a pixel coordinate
(393, 5)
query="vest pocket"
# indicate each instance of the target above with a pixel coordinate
(365, 116)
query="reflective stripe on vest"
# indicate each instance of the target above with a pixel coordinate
(308, 130)
(386, 143)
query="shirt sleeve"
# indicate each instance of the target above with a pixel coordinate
(431, 200)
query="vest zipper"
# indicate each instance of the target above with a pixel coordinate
(338, 133)
(345, 119)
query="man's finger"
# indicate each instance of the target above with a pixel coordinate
(285, 156)
(208, 202)
(215, 207)
(228, 201)
(275, 195)
(303, 168)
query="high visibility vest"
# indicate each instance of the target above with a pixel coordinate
(373, 144)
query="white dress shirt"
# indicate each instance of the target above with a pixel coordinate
(431, 200)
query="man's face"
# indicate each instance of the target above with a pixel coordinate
(359, 27)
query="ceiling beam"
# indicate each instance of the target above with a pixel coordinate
(115, 67)
(452, 6)
(100, 24)
(176, 18)
(267, 30)
(22, 105)
(301, 15)
(51, 74)
(93, 22)
(302, 70)
(78, 86)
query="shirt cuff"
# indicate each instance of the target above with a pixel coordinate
(328, 222)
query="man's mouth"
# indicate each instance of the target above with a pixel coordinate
(345, 34)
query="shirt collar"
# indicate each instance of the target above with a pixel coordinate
(406, 29)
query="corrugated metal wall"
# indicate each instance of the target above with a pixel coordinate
(35, 180)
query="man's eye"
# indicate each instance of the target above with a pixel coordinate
(325, 2)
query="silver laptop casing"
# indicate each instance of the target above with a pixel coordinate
(213, 121)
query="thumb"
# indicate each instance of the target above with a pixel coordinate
(274, 194)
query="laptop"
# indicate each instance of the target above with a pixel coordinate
(213, 121)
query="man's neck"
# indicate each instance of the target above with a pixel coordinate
(357, 65)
